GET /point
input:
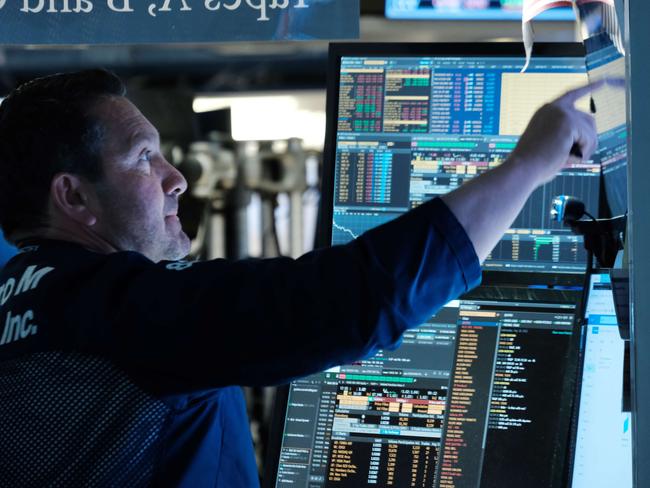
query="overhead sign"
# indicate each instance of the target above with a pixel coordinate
(175, 21)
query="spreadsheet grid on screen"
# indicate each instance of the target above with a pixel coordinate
(413, 128)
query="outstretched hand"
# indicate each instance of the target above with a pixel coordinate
(487, 205)
(545, 146)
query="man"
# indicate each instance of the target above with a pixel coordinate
(119, 364)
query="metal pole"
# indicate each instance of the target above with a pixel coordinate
(637, 14)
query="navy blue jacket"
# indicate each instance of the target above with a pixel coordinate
(117, 371)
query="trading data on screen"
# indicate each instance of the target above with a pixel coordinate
(508, 412)
(471, 396)
(467, 10)
(377, 421)
(603, 448)
(411, 129)
(604, 61)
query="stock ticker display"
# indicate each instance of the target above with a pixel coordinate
(410, 129)
(467, 399)
(507, 404)
(378, 421)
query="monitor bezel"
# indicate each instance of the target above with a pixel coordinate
(573, 430)
(487, 49)
(275, 436)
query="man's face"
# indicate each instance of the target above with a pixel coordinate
(137, 198)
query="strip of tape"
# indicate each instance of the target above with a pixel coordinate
(533, 8)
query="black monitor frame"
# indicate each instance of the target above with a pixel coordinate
(276, 432)
(581, 320)
(489, 49)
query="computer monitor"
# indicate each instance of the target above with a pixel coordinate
(467, 10)
(605, 61)
(480, 395)
(602, 455)
(410, 122)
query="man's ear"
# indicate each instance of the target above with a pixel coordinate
(70, 198)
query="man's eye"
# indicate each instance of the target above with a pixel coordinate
(145, 157)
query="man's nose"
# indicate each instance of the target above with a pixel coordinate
(174, 183)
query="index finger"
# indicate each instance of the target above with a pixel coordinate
(572, 96)
(616, 82)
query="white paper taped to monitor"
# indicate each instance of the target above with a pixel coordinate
(595, 16)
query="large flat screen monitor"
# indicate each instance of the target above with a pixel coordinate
(407, 123)
(479, 396)
(467, 10)
(603, 441)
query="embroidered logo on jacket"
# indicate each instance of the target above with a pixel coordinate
(19, 326)
(179, 265)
